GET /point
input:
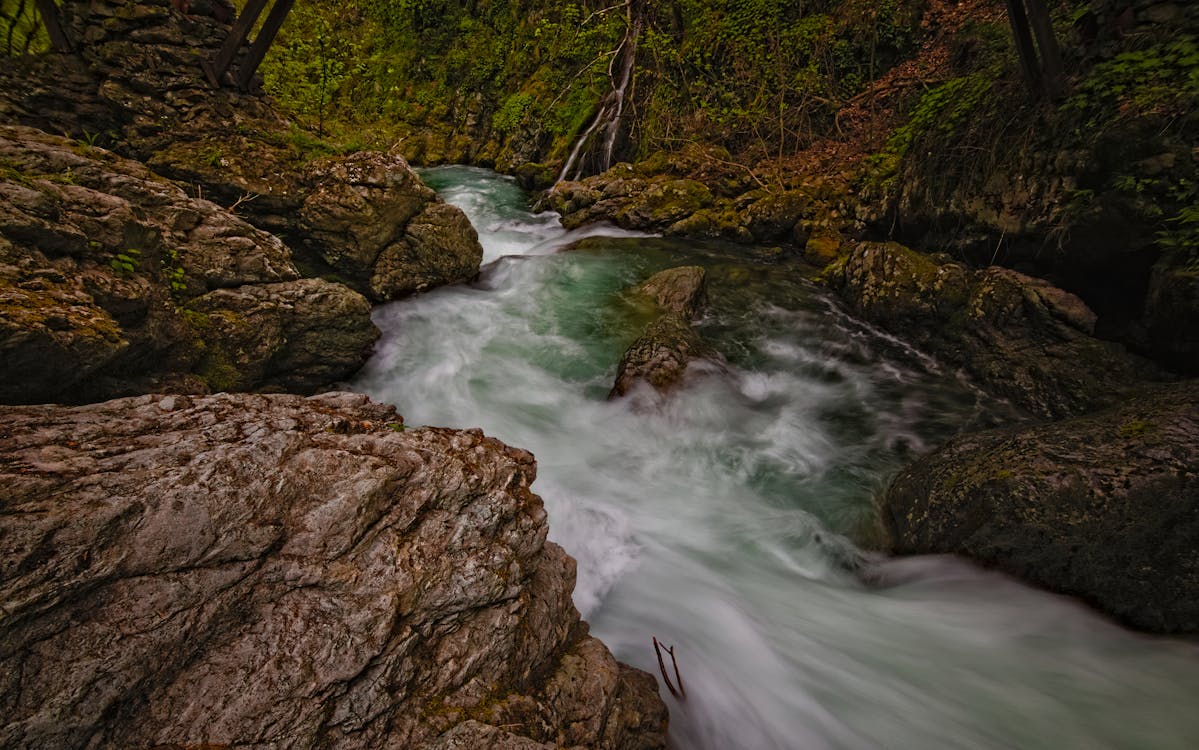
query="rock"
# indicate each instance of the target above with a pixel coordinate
(773, 216)
(275, 571)
(1172, 312)
(296, 336)
(113, 281)
(822, 247)
(1104, 507)
(439, 247)
(138, 85)
(662, 356)
(662, 203)
(679, 290)
(1020, 336)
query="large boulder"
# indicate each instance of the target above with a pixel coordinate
(275, 571)
(1020, 336)
(137, 86)
(1104, 507)
(114, 281)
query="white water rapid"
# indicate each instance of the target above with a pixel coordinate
(719, 521)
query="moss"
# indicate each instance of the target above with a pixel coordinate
(1135, 428)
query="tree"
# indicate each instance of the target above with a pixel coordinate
(1042, 63)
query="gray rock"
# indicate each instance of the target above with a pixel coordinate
(1104, 507)
(274, 571)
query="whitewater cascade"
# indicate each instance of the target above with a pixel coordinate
(720, 523)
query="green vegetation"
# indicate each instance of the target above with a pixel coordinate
(1135, 428)
(126, 262)
(21, 28)
(522, 81)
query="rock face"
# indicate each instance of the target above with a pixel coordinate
(1022, 337)
(113, 281)
(275, 571)
(1172, 312)
(1105, 507)
(137, 86)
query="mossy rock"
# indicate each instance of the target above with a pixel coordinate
(1103, 507)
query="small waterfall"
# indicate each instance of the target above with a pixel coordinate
(610, 117)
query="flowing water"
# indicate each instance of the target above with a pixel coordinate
(719, 520)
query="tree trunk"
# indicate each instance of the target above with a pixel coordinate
(1051, 55)
(1024, 45)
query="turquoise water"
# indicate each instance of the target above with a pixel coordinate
(720, 519)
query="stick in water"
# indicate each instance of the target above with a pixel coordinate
(681, 694)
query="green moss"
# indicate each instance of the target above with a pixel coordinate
(1134, 428)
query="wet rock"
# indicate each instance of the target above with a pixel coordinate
(114, 281)
(1020, 336)
(1104, 507)
(254, 570)
(680, 290)
(662, 356)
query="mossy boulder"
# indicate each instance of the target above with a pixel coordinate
(1020, 336)
(113, 281)
(668, 351)
(1103, 507)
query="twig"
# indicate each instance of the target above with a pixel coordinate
(681, 693)
(245, 198)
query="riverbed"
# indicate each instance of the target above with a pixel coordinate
(733, 519)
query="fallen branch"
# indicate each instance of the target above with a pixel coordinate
(680, 693)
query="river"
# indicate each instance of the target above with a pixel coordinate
(719, 520)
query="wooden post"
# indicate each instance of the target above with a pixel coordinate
(58, 37)
(215, 69)
(266, 35)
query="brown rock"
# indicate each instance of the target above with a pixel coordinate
(249, 570)
(662, 355)
(679, 290)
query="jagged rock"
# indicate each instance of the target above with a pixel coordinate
(679, 290)
(275, 571)
(439, 247)
(114, 281)
(1022, 337)
(662, 355)
(137, 85)
(1104, 507)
